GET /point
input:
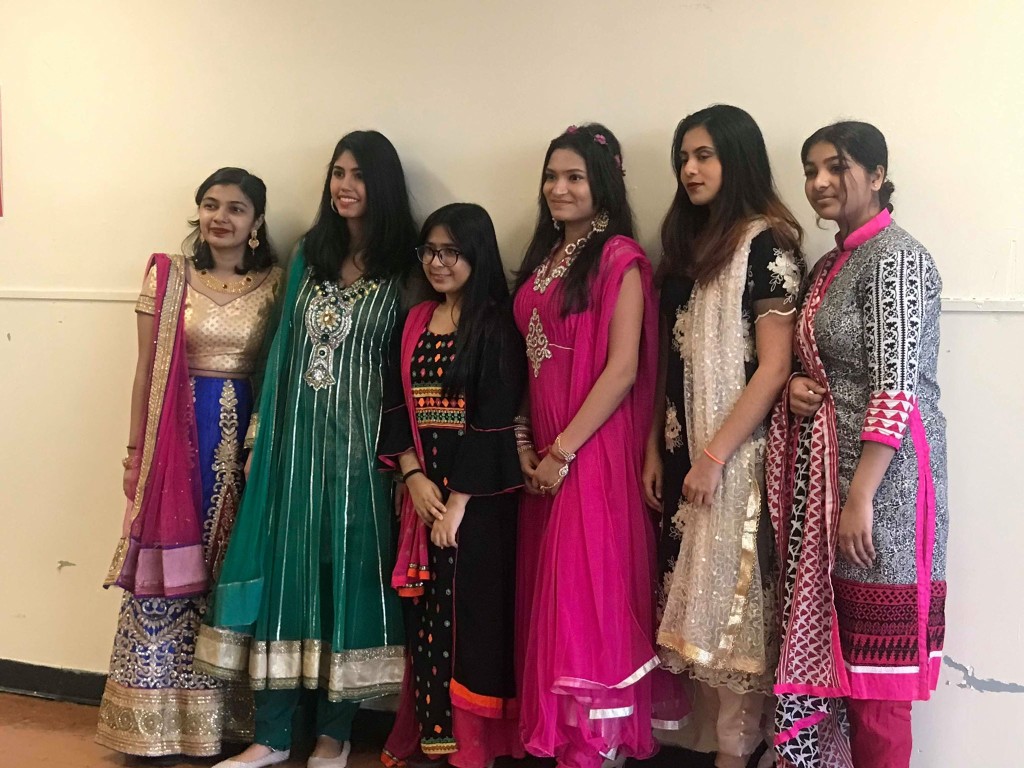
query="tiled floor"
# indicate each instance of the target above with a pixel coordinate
(36, 733)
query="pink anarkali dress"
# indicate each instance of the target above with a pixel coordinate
(585, 599)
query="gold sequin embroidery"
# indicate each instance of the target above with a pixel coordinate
(536, 343)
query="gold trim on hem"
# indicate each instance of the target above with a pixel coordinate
(353, 675)
(172, 721)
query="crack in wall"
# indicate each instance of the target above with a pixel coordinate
(983, 685)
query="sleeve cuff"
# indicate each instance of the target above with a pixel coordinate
(887, 417)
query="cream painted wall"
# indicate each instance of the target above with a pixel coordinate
(114, 111)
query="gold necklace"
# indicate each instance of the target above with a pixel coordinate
(542, 278)
(216, 284)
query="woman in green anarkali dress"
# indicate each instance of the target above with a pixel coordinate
(304, 598)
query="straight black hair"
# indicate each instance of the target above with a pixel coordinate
(390, 231)
(602, 157)
(485, 317)
(256, 191)
(699, 240)
(861, 142)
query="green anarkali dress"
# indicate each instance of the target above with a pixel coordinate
(304, 597)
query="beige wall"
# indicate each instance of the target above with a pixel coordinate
(114, 111)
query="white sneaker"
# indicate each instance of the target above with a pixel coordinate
(273, 758)
(341, 761)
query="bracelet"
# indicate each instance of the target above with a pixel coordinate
(713, 458)
(524, 447)
(562, 472)
(521, 419)
(411, 472)
(567, 458)
(131, 448)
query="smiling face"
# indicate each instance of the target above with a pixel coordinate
(226, 217)
(700, 170)
(566, 188)
(840, 189)
(348, 191)
(449, 280)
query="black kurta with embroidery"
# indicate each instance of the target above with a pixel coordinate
(773, 279)
(460, 632)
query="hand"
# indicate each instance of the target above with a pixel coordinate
(130, 481)
(443, 533)
(248, 465)
(547, 476)
(855, 525)
(528, 462)
(652, 477)
(401, 491)
(426, 498)
(702, 481)
(805, 396)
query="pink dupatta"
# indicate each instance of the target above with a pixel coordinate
(160, 553)
(412, 564)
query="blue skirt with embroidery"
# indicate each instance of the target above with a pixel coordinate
(155, 703)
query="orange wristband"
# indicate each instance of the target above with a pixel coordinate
(713, 458)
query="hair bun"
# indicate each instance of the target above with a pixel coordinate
(885, 193)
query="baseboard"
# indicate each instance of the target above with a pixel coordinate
(51, 682)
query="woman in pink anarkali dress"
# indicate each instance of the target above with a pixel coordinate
(585, 305)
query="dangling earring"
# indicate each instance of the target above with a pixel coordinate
(600, 223)
(254, 241)
(556, 224)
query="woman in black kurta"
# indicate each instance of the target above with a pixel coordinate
(459, 619)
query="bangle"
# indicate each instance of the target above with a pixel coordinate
(131, 448)
(524, 447)
(713, 458)
(410, 473)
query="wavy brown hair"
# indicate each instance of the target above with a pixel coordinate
(699, 240)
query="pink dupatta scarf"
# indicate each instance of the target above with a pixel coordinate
(412, 564)
(160, 553)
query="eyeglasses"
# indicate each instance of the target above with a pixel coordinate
(447, 255)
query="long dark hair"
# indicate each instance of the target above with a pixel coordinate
(253, 188)
(861, 142)
(390, 231)
(602, 156)
(485, 316)
(699, 240)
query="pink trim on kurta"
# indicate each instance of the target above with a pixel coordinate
(887, 416)
(866, 231)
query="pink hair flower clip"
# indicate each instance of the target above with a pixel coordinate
(600, 139)
(572, 129)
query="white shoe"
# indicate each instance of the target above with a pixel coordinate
(273, 758)
(341, 761)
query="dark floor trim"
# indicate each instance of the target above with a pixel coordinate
(51, 683)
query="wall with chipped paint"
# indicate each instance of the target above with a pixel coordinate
(112, 113)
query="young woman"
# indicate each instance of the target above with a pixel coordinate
(201, 320)
(303, 599)
(731, 273)
(857, 460)
(585, 305)
(449, 433)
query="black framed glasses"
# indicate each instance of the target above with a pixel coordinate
(447, 255)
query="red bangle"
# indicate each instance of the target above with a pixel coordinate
(713, 458)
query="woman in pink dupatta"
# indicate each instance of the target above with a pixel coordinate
(585, 305)
(857, 468)
(202, 322)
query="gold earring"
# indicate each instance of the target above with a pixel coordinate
(254, 241)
